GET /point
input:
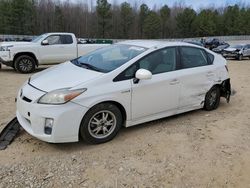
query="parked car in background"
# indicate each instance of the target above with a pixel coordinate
(123, 84)
(27, 39)
(94, 41)
(49, 48)
(220, 48)
(213, 43)
(237, 51)
(195, 42)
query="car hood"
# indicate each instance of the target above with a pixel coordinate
(231, 49)
(13, 43)
(65, 75)
(217, 49)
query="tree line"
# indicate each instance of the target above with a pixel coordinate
(120, 21)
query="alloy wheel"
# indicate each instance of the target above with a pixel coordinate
(25, 64)
(102, 124)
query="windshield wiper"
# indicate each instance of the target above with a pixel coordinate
(86, 65)
(91, 67)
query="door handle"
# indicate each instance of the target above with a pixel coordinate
(174, 82)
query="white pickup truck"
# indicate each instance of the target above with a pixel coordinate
(49, 48)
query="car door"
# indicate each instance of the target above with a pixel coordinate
(60, 48)
(160, 94)
(69, 47)
(247, 50)
(196, 75)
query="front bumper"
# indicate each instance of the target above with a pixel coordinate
(229, 54)
(31, 116)
(5, 58)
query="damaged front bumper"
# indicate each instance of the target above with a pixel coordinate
(5, 58)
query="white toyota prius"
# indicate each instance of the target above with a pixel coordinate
(124, 84)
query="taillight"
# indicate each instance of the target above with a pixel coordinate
(226, 68)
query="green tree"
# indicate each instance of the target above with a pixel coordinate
(5, 17)
(20, 18)
(205, 23)
(232, 20)
(103, 16)
(185, 21)
(165, 15)
(152, 25)
(245, 16)
(126, 19)
(144, 12)
(59, 19)
(219, 24)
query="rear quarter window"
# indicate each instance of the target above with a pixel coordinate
(210, 58)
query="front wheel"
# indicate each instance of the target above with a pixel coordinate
(25, 64)
(240, 57)
(101, 123)
(212, 99)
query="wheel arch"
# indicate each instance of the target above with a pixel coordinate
(119, 105)
(31, 54)
(225, 88)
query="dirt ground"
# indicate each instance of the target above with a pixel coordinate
(195, 149)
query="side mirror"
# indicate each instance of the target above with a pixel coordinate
(45, 42)
(142, 74)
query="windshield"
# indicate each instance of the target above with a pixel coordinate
(108, 58)
(210, 40)
(237, 46)
(39, 38)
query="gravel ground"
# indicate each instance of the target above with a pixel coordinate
(195, 149)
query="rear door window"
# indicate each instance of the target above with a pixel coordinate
(66, 39)
(193, 57)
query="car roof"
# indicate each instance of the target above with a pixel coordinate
(155, 43)
(59, 33)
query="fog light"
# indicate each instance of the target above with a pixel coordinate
(48, 126)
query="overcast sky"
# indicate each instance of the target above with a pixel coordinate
(196, 4)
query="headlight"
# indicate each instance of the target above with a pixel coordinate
(5, 48)
(60, 96)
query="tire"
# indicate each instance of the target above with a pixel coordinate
(25, 64)
(240, 57)
(96, 122)
(212, 99)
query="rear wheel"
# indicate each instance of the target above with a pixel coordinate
(212, 99)
(25, 64)
(101, 123)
